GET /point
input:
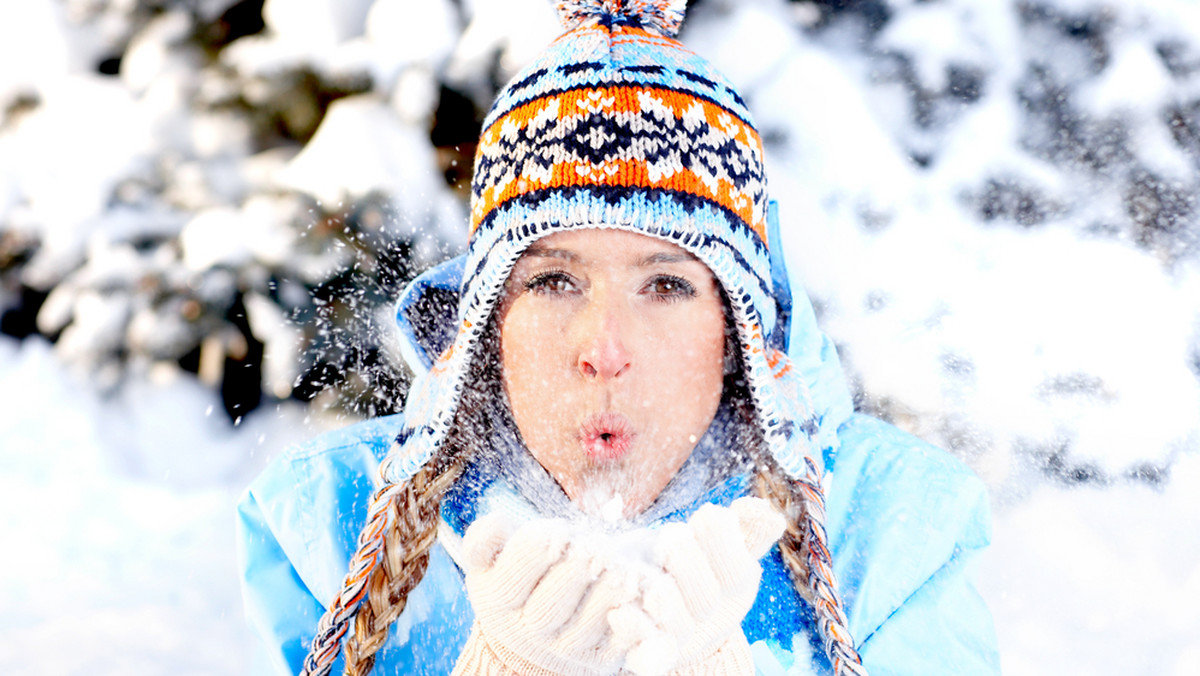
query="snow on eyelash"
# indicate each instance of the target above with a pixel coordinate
(684, 288)
(537, 283)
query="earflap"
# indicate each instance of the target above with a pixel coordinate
(804, 440)
(436, 392)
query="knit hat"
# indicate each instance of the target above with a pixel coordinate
(618, 125)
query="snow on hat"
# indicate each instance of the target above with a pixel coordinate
(618, 125)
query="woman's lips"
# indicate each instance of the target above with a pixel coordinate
(606, 436)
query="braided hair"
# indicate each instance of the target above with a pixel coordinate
(393, 547)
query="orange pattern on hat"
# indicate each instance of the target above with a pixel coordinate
(627, 167)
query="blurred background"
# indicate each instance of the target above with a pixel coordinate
(208, 207)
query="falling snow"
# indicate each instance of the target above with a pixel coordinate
(990, 203)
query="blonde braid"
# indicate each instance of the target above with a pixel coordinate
(333, 624)
(410, 513)
(773, 487)
(803, 545)
(403, 561)
(806, 553)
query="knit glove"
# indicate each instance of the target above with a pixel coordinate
(542, 600)
(705, 580)
(550, 599)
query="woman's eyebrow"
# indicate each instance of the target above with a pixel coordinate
(666, 257)
(547, 252)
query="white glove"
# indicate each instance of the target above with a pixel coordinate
(706, 581)
(550, 599)
(542, 601)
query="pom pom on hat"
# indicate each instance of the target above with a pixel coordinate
(660, 16)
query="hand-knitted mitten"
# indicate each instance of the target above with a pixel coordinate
(708, 582)
(541, 601)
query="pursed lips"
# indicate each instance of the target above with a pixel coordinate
(606, 436)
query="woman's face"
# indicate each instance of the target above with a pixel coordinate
(612, 351)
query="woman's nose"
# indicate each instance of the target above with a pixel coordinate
(603, 352)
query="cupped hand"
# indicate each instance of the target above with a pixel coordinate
(550, 597)
(542, 595)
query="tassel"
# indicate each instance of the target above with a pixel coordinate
(659, 16)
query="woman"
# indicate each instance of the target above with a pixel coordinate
(566, 490)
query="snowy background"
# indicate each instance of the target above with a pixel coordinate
(206, 205)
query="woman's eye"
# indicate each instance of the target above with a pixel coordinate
(550, 282)
(670, 288)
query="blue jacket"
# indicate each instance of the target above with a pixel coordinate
(904, 519)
